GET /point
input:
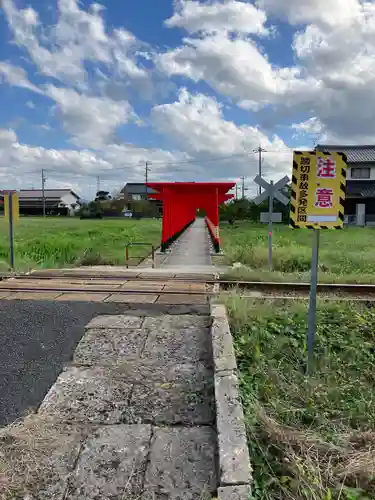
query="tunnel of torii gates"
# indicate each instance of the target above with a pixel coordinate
(181, 200)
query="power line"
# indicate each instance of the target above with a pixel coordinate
(183, 162)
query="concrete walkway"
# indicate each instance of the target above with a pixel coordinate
(132, 417)
(192, 249)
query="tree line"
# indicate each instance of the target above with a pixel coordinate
(237, 210)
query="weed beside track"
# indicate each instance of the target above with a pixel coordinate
(311, 437)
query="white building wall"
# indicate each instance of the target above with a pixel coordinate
(362, 165)
(69, 200)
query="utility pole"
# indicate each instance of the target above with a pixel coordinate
(43, 194)
(147, 169)
(259, 150)
(97, 183)
(243, 187)
(236, 191)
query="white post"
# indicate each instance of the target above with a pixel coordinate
(361, 214)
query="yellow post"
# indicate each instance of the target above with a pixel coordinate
(15, 207)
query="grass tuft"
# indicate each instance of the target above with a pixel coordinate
(311, 437)
(32, 452)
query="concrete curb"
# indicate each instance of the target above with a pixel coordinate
(233, 454)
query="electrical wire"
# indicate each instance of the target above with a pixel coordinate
(182, 162)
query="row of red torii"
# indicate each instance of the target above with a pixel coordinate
(181, 200)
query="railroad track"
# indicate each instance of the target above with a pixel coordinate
(125, 284)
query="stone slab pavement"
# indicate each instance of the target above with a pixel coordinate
(139, 396)
(191, 249)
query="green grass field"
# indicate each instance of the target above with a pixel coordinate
(345, 255)
(310, 438)
(58, 242)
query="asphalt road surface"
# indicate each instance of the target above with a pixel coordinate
(36, 339)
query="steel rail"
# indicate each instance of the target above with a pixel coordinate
(103, 290)
(187, 293)
(269, 285)
(242, 284)
(88, 277)
(306, 297)
(145, 291)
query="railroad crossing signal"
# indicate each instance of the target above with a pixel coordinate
(271, 191)
(270, 188)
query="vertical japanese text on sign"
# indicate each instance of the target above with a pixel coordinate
(318, 190)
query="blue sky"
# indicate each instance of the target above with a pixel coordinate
(89, 91)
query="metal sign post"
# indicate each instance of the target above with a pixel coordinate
(317, 202)
(11, 215)
(270, 210)
(11, 246)
(271, 191)
(312, 300)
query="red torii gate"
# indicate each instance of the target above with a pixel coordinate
(181, 200)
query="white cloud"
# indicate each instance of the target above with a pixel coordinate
(333, 78)
(21, 164)
(59, 62)
(91, 106)
(16, 76)
(197, 125)
(233, 16)
(92, 121)
(236, 68)
(7, 137)
(311, 126)
(328, 12)
(342, 59)
(79, 36)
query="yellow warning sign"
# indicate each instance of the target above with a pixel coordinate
(15, 207)
(318, 190)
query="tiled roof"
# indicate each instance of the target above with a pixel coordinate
(136, 188)
(48, 193)
(363, 189)
(355, 154)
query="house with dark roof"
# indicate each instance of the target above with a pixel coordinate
(134, 192)
(360, 183)
(56, 201)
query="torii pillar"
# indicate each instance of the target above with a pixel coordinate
(181, 200)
